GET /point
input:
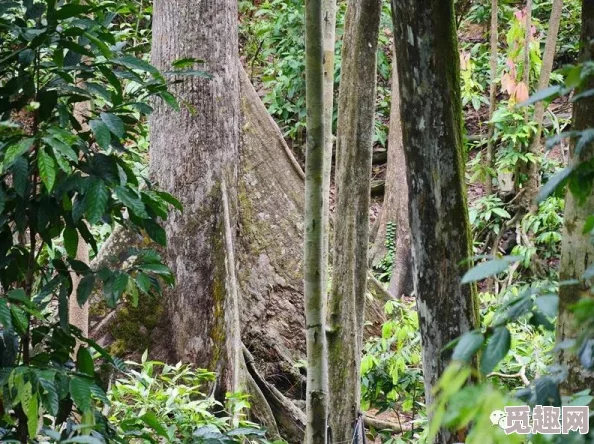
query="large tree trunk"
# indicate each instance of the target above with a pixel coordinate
(314, 266)
(194, 156)
(577, 252)
(426, 47)
(395, 207)
(346, 305)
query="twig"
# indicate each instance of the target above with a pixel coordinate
(521, 374)
(380, 424)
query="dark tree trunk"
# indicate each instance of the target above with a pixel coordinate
(428, 69)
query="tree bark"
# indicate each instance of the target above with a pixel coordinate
(346, 303)
(494, 37)
(194, 156)
(539, 109)
(577, 252)
(79, 315)
(329, 12)
(395, 207)
(315, 294)
(428, 69)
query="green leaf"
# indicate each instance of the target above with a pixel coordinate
(489, 268)
(114, 123)
(32, 413)
(548, 304)
(155, 232)
(70, 241)
(190, 73)
(96, 199)
(84, 361)
(49, 398)
(71, 10)
(101, 133)
(5, 318)
(103, 48)
(170, 199)
(80, 392)
(85, 288)
(61, 148)
(19, 319)
(186, 62)
(20, 175)
(142, 281)
(544, 94)
(134, 63)
(15, 151)
(47, 169)
(496, 349)
(132, 201)
(468, 345)
(246, 431)
(553, 183)
(155, 268)
(150, 419)
(2, 200)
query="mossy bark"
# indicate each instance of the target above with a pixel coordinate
(194, 152)
(577, 251)
(428, 69)
(346, 304)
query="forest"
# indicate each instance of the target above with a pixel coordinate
(286, 221)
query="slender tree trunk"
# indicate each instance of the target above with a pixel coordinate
(346, 304)
(427, 51)
(395, 207)
(194, 156)
(315, 295)
(577, 252)
(329, 12)
(539, 110)
(494, 35)
(79, 315)
(527, 42)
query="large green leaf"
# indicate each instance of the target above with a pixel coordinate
(85, 288)
(548, 304)
(468, 345)
(153, 422)
(70, 241)
(489, 268)
(84, 361)
(114, 123)
(80, 392)
(553, 183)
(17, 150)
(47, 169)
(61, 148)
(96, 199)
(131, 200)
(496, 349)
(155, 232)
(132, 62)
(101, 133)
(5, 318)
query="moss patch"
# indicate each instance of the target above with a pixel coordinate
(132, 326)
